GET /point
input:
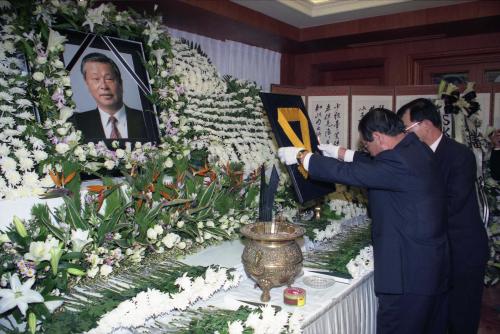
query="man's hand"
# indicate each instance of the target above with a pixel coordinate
(288, 155)
(337, 152)
(329, 150)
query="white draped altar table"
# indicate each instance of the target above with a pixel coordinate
(342, 308)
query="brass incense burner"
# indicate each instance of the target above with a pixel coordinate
(272, 256)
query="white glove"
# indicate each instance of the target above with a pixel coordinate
(329, 150)
(332, 151)
(288, 155)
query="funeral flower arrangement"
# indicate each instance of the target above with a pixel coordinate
(461, 108)
(197, 186)
(163, 203)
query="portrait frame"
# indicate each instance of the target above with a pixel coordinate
(129, 57)
(306, 190)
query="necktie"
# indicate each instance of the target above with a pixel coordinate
(115, 133)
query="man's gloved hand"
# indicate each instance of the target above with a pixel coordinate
(329, 150)
(337, 152)
(288, 155)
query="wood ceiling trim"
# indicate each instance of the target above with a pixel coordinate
(223, 19)
(406, 20)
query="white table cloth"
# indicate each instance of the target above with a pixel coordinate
(342, 308)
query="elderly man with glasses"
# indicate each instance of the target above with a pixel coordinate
(407, 204)
(467, 235)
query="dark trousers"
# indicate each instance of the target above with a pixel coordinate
(412, 314)
(465, 299)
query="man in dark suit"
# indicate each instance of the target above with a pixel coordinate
(466, 233)
(407, 205)
(112, 119)
(495, 155)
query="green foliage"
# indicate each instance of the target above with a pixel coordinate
(89, 312)
(214, 320)
(327, 215)
(197, 47)
(492, 189)
(335, 260)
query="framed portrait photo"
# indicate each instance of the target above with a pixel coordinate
(110, 86)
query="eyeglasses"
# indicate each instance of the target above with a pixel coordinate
(365, 144)
(411, 127)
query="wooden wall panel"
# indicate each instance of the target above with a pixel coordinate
(404, 63)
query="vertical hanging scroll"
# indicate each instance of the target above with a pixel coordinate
(484, 100)
(361, 104)
(329, 117)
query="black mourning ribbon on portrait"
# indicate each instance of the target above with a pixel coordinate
(86, 42)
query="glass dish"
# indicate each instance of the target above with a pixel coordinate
(318, 282)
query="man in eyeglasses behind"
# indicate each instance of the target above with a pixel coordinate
(467, 235)
(407, 204)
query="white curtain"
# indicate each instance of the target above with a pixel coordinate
(240, 60)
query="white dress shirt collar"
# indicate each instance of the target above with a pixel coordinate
(121, 117)
(434, 145)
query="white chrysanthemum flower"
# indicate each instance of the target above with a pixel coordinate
(30, 179)
(13, 177)
(4, 151)
(39, 155)
(184, 282)
(181, 301)
(25, 164)
(253, 320)
(38, 76)
(235, 327)
(158, 229)
(109, 164)
(8, 164)
(62, 148)
(151, 234)
(170, 240)
(294, 323)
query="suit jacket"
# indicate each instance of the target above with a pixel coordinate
(408, 205)
(495, 164)
(467, 235)
(89, 122)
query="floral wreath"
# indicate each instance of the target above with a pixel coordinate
(164, 206)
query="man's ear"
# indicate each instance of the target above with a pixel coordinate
(377, 136)
(427, 123)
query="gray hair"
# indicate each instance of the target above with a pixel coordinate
(100, 58)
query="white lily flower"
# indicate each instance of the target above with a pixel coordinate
(79, 239)
(19, 295)
(65, 113)
(56, 40)
(95, 16)
(158, 53)
(40, 251)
